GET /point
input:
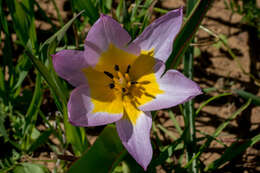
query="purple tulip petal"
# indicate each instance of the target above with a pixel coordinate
(136, 138)
(160, 34)
(80, 109)
(104, 32)
(177, 90)
(68, 65)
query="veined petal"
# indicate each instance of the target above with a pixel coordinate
(83, 112)
(136, 137)
(104, 32)
(68, 65)
(160, 34)
(177, 90)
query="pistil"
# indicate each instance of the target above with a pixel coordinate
(122, 82)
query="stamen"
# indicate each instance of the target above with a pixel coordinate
(128, 69)
(127, 77)
(144, 82)
(115, 80)
(124, 90)
(133, 82)
(109, 74)
(116, 68)
(120, 75)
(128, 84)
(111, 85)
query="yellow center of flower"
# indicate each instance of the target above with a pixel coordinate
(121, 82)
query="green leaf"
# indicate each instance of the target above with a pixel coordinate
(2, 83)
(42, 139)
(210, 100)
(231, 152)
(2, 126)
(59, 34)
(248, 95)
(21, 70)
(87, 5)
(22, 13)
(166, 153)
(76, 136)
(218, 131)
(45, 73)
(175, 122)
(29, 168)
(187, 32)
(103, 155)
(189, 134)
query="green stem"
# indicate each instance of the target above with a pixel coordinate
(189, 113)
(189, 116)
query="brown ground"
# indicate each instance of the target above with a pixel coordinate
(214, 67)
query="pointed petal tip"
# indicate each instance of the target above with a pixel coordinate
(136, 138)
(144, 165)
(103, 16)
(166, 27)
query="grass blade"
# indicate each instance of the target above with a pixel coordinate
(187, 32)
(218, 131)
(59, 34)
(247, 95)
(233, 151)
(175, 122)
(106, 151)
(189, 116)
(210, 100)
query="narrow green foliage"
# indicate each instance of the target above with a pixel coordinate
(41, 140)
(167, 152)
(175, 122)
(32, 113)
(189, 116)
(233, 151)
(187, 32)
(210, 100)
(45, 73)
(88, 6)
(247, 95)
(218, 131)
(29, 168)
(167, 132)
(29, 84)
(23, 19)
(106, 151)
(57, 37)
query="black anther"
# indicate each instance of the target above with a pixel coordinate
(124, 90)
(128, 69)
(133, 82)
(109, 74)
(116, 68)
(111, 85)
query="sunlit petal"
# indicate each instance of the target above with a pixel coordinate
(160, 34)
(68, 65)
(82, 110)
(104, 32)
(136, 137)
(176, 88)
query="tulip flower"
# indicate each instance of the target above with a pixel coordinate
(119, 80)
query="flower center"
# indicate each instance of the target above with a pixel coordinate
(122, 82)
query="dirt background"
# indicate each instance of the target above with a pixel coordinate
(214, 67)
